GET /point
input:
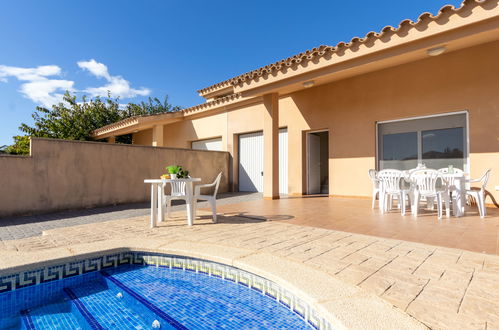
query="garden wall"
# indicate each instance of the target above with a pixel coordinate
(61, 174)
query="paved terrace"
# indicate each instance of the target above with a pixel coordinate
(445, 288)
(356, 216)
(34, 225)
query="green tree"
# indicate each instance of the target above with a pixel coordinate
(151, 107)
(20, 146)
(73, 120)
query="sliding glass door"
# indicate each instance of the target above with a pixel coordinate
(436, 141)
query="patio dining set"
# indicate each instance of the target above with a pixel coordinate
(181, 189)
(446, 186)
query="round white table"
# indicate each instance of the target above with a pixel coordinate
(157, 189)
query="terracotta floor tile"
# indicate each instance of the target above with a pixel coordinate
(356, 216)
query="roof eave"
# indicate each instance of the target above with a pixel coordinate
(469, 9)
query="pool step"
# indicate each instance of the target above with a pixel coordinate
(60, 315)
(139, 302)
(104, 308)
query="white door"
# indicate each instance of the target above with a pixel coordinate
(210, 144)
(283, 161)
(314, 163)
(251, 161)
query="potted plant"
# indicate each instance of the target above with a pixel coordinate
(177, 172)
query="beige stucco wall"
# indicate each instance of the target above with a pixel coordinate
(143, 138)
(182, 133)
(462, 80)
(63, 174)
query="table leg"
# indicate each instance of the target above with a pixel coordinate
(154, 205)
(161, 211)
(402, 202)
(189, 203)
(460, 195)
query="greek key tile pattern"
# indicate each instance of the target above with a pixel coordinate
(53, 273)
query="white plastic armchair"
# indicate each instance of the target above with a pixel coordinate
(177, 192)
(479, 194)
(424, 184)
(211, 199)
(373, 174)
(390, 186)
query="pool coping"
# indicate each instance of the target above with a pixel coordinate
(338, 302)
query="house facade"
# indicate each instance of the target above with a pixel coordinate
(423, 92)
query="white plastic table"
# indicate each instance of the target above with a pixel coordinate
(460, 189)
(157, 186)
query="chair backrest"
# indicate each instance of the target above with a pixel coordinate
(217, 183)
(485, 178)
(450, 178)
(373, 174)
(445, 170)
(390, 180)
(425, 181)
(178, 188)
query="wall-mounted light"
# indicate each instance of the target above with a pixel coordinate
(308, 84)
(436, 51)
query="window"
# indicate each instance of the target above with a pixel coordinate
(437, 142)
(400, 150)
(443, 147)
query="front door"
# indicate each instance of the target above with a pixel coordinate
(318, 163)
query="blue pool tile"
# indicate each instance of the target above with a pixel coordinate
(200, 301)
(56, 316)
(106, 309)
(176, 291)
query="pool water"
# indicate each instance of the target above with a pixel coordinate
(145, 297)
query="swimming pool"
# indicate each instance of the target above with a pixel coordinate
(136, 290)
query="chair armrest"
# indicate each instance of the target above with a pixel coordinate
(473, 180)
(197, 188)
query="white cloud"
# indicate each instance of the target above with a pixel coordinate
(29, 74)
(117, 85)
(37, 87)
(95, 68)
(40, 86)
(44, 91)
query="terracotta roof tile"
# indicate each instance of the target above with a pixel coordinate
(188, 111)
(318, 52)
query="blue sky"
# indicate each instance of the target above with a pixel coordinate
(153, 48)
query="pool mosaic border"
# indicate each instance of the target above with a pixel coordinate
(42, 274)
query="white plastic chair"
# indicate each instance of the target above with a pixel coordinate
(376, 191)
(177, 192)
(479, 195)
(389, 187)
(211, 199)
(424, 184)
(450, 183)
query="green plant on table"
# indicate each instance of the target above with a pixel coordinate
(173, 169)
(178, 171)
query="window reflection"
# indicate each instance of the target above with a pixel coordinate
(443, 147)
(400, 151)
